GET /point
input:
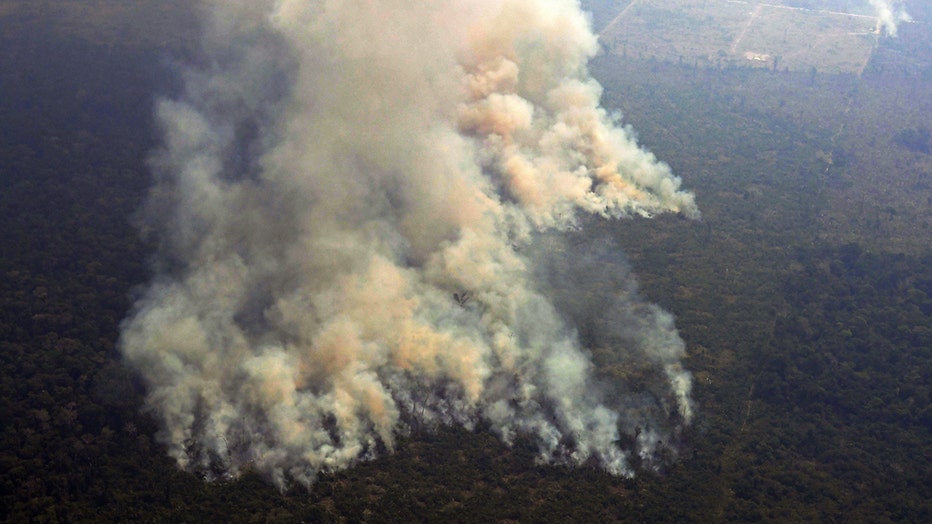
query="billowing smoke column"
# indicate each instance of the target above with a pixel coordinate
(351, 202)
(889, 14)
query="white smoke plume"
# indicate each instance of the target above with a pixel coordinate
(889, 14)
(348, 203)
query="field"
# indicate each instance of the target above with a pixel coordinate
(732, 32)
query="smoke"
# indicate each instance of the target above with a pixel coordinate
(360, 207)
(889, 14)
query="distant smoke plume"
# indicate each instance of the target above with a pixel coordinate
(889, 14)
(361, 207)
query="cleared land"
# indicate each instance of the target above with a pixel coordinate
(732, 32)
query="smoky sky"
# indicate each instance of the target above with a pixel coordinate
(889, 14)
(366, 212)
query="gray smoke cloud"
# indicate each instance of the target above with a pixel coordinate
(889, 14)
(360, 207)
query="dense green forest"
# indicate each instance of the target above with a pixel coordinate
(804, 295)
